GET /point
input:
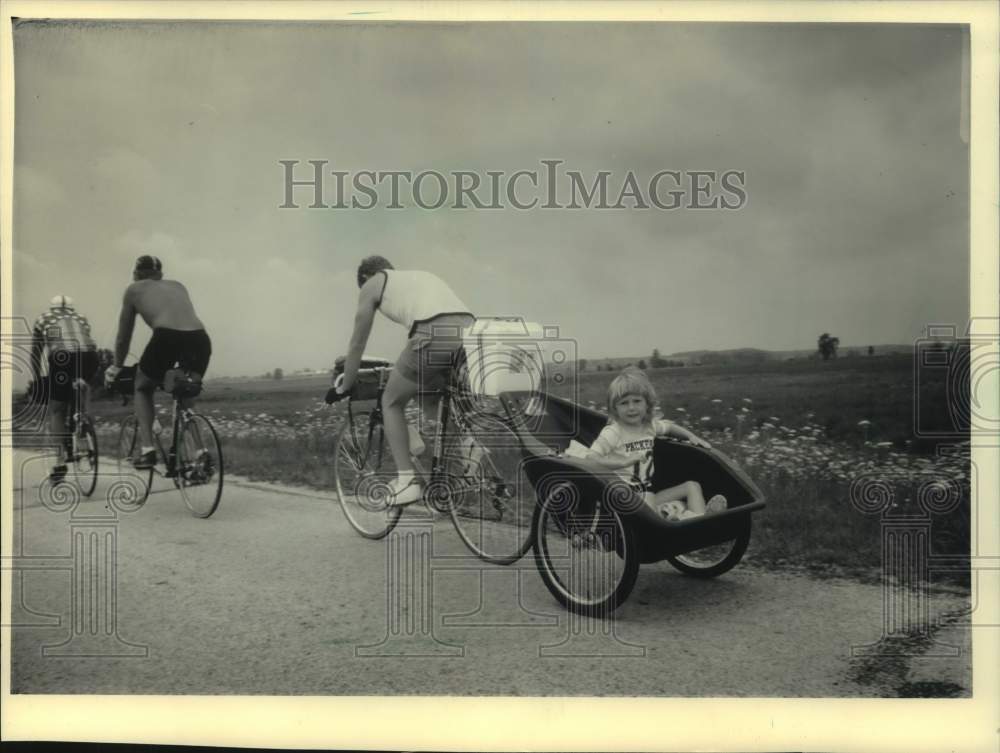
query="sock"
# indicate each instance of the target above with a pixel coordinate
(404, 478)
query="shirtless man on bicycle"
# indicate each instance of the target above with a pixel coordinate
(434, 316)
(179, 337)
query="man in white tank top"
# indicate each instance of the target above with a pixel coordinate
(433, 316)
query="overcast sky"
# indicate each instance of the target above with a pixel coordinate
(166, 139)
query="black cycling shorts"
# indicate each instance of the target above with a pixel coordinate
(65, 367)
(190, 349)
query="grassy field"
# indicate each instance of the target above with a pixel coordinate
(835, 394)
(797, 427)
(811, 433)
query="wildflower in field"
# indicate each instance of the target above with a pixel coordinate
(865, 424)
(706, 418)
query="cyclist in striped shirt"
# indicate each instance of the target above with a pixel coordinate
(72, 356)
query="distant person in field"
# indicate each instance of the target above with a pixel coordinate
(72, 356)
(625, 445)
(434, 317)
(179, 339)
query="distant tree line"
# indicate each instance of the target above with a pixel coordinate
(656, 361)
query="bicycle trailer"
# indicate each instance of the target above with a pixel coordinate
(573, 494)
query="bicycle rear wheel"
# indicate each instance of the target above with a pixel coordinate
(586, 555)
(128, 446)
(491, 498)
(199, 465)
(84, 456)
(363, 468)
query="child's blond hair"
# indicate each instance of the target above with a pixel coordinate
(631, 381)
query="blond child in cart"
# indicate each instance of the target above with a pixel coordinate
(625, 445)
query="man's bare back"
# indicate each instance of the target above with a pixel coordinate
(163, 304)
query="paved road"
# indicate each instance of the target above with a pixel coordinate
(275, 594)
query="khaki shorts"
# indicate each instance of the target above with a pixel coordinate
(433, 349)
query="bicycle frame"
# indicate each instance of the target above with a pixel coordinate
(444, 413)
(75, 414)
(74, 408)
(169, 455)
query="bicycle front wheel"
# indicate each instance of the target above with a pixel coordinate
(84, 457)
(136, 488)
(586, 555)
(492, 500)
(199, 465)
(363, 468)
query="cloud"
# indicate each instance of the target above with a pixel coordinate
(165, 139)
(125, 169)
(35, 188)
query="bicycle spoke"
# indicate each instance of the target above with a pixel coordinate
(491, 498)
(362, 470)
(136, 482)
(585, 555)
(83, 455)
(198, 465)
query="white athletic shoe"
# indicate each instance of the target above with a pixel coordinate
(718, 503)
(405, 493)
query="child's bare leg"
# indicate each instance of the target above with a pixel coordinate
(650, 499)
(696, 500)
(689, 492)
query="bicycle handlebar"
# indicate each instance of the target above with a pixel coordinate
(124, 383)
(332, 396)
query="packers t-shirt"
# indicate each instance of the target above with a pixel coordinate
(635, 444)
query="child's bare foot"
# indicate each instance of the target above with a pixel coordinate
(672, 510)
(718, 503)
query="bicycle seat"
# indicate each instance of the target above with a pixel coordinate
(182, 383)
